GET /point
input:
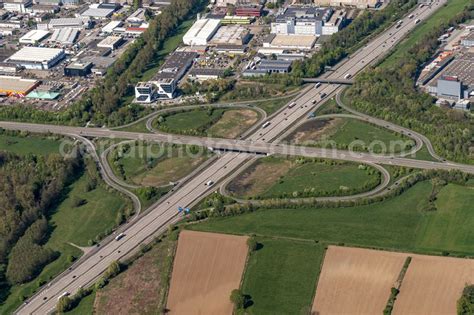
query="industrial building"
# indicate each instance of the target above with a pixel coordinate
(111, 26)
(361, 4)
(232, 19)
(64, 36)
(164, 83)
(201, 32)
(19, 6)
(468, 40)
(282, 41)
(301, 21)
(231, 35)
(37, 57)
(267, 66)
(100, 64)
(99, 11)
(206, 74)
(78, 69)
(33, 37)
(254, 10)
(16, 86)
(111, 42)
(76, 23)
(456, 80)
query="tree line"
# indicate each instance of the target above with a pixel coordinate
(389, 92)
(29, 187)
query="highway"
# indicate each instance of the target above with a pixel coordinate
(89, 268)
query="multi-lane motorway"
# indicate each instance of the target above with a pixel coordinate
(90, 267)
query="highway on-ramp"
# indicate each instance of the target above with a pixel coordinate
(88, 269)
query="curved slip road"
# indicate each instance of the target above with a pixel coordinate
(165, 213)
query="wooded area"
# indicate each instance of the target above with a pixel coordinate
(390, 93)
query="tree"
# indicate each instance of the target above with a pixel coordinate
(465, 304)
(113, 269)
(237, 298)
(64, 304)
(252, 244)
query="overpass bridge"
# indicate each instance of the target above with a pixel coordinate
(329, 81)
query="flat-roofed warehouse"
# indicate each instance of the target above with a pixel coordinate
(201, 32)
(64, 36)
(111, 42)
(33, 37)
(231, 35)
(16, 86)
(38, 58)
(290, 41)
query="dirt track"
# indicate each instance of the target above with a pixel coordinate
(356, 281)
(206, 269)
(433, 285)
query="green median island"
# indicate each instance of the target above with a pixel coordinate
(281, 276)
(152, 164)
(213, 122)
(349, 133)
(282, 177)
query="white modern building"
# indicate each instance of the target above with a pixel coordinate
(201, 32)
(76, 23)
(301, 21)
(111, 42)
(33, 37)
(37, 58)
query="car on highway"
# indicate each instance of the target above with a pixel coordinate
(322, 95)
(118, 237)
(209, 183)
(265, 125)
(317, 85)
(63, 295)
(292, 104)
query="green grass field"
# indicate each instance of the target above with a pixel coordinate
(275, 177)
(281, 276)
(220, 122)
(156, 165)
(441, 16)
(85, 306)
(30, 145)
(329, 107)
(394, 224)
(284, 267)
(348, 133)
(75, 225)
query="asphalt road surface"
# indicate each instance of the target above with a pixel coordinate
(90, 267)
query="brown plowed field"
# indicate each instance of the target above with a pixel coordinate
(356, 281)
(433, 285)
(206, 269)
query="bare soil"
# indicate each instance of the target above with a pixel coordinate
(356, 281)
(206, 269)
(433, 284)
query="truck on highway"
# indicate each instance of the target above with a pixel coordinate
(63, 295)
(265, 125)
(292, 104)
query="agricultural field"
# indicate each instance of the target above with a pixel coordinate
(219, 122)
(432, 285)
(345, 133)
(356, 281)
(397, 223)
(206, 269)
(290, 177)
(153, 164)
(281, 275)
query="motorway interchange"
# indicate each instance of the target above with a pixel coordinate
(235, 153)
